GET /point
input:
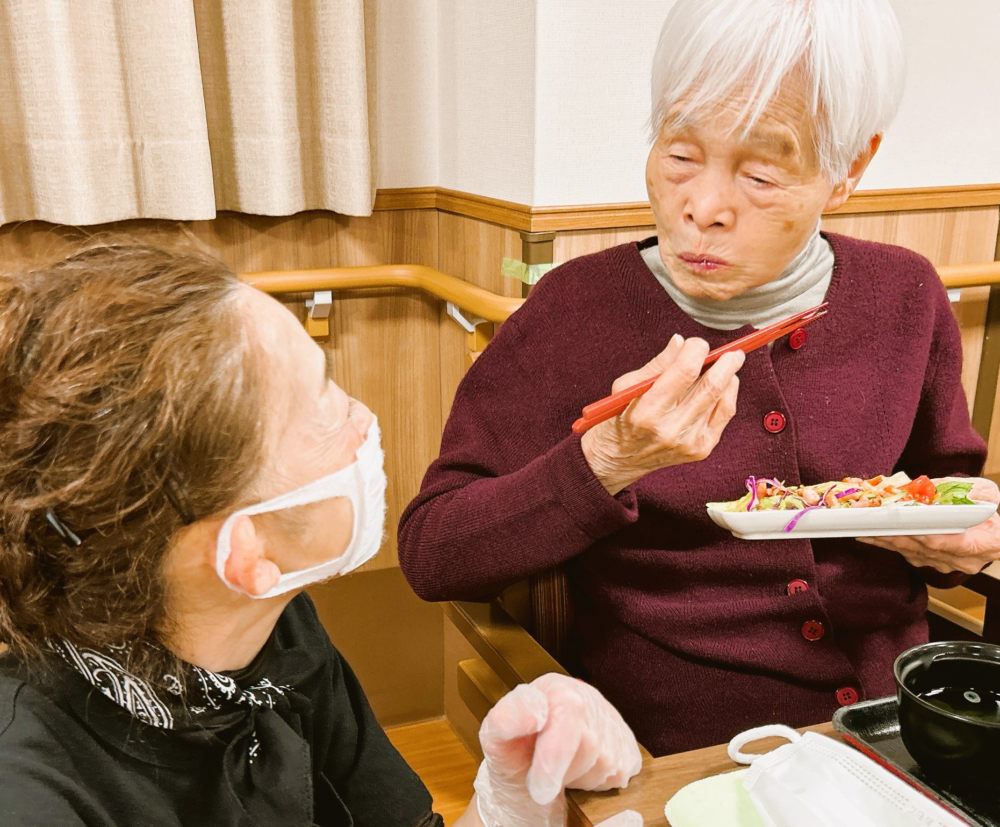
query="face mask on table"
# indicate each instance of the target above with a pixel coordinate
(818, 782)
(363, 482)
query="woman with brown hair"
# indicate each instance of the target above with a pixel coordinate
(176, 465)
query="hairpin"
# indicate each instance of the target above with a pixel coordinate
(173, 489)
(64, 531)
(176, 494)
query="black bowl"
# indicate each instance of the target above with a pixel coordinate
(952, 747)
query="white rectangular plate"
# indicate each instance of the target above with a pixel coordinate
(854, 522)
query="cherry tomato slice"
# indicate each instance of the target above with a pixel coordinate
(921, 489)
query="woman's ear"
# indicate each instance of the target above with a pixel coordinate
(248, 566)
(843, 190)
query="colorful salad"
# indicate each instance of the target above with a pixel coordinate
(852, 492)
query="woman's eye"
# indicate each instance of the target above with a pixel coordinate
(681, 158)
(760, 182)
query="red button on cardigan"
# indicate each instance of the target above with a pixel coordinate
(797, 338)
(813, 630)
(798, 586)
(775, 422)
(847, 696)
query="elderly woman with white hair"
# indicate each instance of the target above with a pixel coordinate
(766, 113)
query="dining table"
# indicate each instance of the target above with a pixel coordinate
(660, 778)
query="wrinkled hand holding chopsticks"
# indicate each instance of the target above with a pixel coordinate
(614, 405)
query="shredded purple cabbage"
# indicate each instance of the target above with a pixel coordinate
(776, 484)
(848, 491)
(751, 483)
(798, 516)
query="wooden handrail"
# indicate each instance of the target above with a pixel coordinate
(477, 301)
(970, 275)
(484, 304)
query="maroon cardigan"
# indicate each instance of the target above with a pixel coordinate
(692, 633)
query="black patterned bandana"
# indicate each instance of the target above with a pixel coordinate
(247, 731)
(211, 699)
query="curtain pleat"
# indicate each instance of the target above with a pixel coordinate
(117, 109)
(287, 100)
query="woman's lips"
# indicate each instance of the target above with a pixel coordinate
(703, 264)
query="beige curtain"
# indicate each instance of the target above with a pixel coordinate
(116, 109)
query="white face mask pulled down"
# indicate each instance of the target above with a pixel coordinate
(816, 781)
(363, 482)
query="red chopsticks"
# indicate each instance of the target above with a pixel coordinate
(612, 406)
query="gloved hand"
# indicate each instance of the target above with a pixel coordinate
(543, 737)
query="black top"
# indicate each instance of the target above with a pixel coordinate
(317, 758)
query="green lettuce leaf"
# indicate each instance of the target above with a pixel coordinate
(954, 493)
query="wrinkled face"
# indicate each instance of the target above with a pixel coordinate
(733, 210)
(313, 429)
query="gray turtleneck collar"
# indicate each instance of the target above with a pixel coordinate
(802, 285)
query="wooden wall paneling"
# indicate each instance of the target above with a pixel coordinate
(392, 639)
(29, 241)
(474, 251)
(570, 245)
(252, 242)
(25, 243)
(452, 349)
(943, 236)
(970, 312)
(993, 448)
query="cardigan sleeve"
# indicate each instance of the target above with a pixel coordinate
(506, 498)
(942, 441)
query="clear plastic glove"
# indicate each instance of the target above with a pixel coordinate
(546, 736)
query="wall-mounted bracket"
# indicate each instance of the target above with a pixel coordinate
(468, 325)
(320, 304)
(318, 319)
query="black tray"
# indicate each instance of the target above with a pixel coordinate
(873, 727)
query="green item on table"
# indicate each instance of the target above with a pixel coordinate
(719, 801)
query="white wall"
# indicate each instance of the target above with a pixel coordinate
(486, 65)
(592, 99)
(406, 56)
(948, 128)
(456, 95)
(545, 102)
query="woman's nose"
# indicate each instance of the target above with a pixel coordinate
(709, 203)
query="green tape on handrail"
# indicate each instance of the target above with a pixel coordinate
(528, 273)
